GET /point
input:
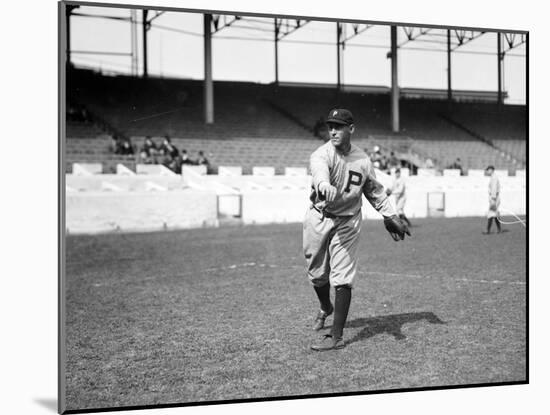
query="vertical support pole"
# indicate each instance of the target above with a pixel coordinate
(133, 37)
(208, 84)
(276, 52)
(145, 28)
(394, 82)
(449, 72)
(499, 69)
(338, 32)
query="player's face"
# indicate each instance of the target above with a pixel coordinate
(340, 135)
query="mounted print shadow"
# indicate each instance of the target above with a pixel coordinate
(185, 177)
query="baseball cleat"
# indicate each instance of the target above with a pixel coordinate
(321, 317)
(328, 343)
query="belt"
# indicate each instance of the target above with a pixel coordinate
(328, 214)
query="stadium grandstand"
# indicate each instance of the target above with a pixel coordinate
(272, 125)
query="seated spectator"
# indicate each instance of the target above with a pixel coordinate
(202, 160)
(127, 148)
(170, 154)
(168, 149)
(123, 146)
(393, 161)
(429, 164)
(185, 158)
(376, 155)
(456, 165)
(384, 164)
(319, 127)
(149, 151)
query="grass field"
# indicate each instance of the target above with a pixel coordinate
(217, 314)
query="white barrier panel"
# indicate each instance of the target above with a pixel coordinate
(426, 172)
(520, 173)
(111, 187)
(295, 171)
(201, 169)
(263, 171)
(230, 171)
(92, 212)
(87, 169)
(274, 206)
(501, 173)
(122, 170)
(154, 170)
(451, 172)
(122, 182)
(476, 173)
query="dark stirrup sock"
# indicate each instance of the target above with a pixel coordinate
(323, 293)
(489, 223)
(341, 307)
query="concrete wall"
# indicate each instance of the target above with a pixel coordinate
(91, 212)
(136, 203)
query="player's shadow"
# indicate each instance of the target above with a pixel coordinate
(390, 324)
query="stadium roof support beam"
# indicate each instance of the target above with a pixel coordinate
(463, 39)
(289, 29)
(357, 30)
(276, 33)
(144, 28)
(500, 55)
(449, 78)
(511, 41)
(338, 57)
(411, 35)
(216, 22)
(208, 83)
(394, 81)
(279, 34)
(133, 41)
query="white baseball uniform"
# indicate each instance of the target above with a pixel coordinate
(494, 197)
(331, 229)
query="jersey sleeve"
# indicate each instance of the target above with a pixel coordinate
(375, 194)
(318, 164)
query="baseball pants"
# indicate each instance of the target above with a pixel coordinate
(330, 247)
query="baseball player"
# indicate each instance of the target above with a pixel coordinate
(494, 200)
(398, 190)
(341, 174)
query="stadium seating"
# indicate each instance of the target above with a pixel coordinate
(272, 126)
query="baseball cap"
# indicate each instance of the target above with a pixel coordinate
(340, 116)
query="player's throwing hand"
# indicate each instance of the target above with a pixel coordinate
(396, 228)
(329, 192)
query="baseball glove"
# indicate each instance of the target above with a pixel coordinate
(396, 228)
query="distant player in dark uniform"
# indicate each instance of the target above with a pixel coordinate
(341, 174)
